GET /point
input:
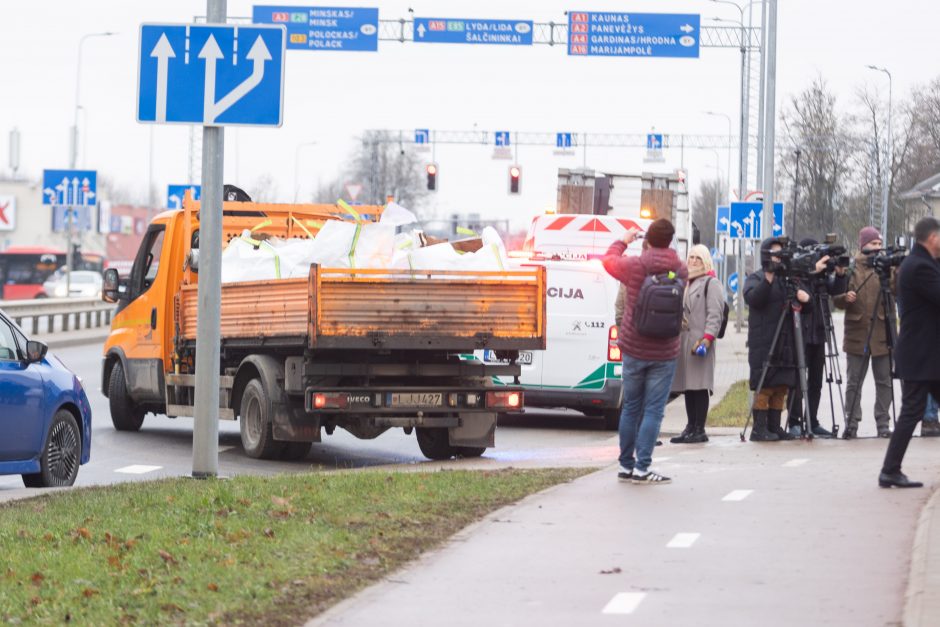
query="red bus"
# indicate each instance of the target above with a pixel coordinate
(23, 269)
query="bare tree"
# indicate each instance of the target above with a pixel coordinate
(704, 207)
(384, 166)
(817, 136)
(264, 189)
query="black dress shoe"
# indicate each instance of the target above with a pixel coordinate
(897, 480)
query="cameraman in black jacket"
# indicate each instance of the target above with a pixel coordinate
(814, 345)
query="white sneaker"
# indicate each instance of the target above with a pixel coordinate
(649, 478)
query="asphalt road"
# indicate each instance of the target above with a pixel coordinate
(163, 447)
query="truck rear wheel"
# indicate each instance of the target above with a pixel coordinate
(125, 414)
(435, 443)
(255, 423)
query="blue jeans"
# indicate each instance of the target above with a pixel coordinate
(646, 387)
(930, 415)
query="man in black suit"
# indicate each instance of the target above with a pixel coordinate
(916, 360)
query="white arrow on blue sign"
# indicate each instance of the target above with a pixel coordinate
(746, 220)
(563, 140)
(723, 219)
(654, 141)
(733, 281)
(69, 187)
(218, 75)
(502, 138)
(472, 31)
(422, 135)
(175, 193)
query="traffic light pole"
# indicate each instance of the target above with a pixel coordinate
(209, 294)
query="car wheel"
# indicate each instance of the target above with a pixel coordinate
(471, 451)
(60, 457)
(125, 414)
(435, 443)
(255, 423)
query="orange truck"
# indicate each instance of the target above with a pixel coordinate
(365, 350)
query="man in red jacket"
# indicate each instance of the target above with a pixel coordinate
(648, 363)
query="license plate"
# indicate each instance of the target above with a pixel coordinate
(417, 399)
(525, 358)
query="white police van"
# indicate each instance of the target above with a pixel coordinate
(581, 366)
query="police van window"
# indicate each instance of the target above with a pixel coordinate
(8, 350)
(147, 263)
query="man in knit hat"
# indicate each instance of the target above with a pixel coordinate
(860, 300)
(649, 363)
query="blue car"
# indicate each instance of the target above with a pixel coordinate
(45, 417)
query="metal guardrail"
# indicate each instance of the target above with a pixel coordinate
(49, 315)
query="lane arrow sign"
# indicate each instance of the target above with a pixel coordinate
(421, 30)
(210, 53)
(163, 52)
(258, 54)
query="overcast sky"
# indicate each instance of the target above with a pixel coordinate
(331, 97)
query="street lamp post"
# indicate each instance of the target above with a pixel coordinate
(889, 152)
(73, 157)
(297, 166)
(728, 171)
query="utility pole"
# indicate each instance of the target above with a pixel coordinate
(796, 191)
(889, 157)
(208, 334)
(770, 119)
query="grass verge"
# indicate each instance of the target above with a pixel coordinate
(248, 550)
(733, 409)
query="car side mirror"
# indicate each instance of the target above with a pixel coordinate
(110, 288)
(35, 351)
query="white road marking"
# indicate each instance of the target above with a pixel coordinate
(793, 463)
(683, 540)
(737, 495)
(137, 469)
(624, 603)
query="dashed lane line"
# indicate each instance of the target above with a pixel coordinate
(137, 469)
(624, 603)
(794, 463)
(737, 495)
(683, 540)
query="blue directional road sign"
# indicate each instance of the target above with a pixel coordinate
(432, 30)
(633, 34)
(212, 75)
(563, 140)
(422, 136)
(654, 141)
(502, 138)
(324, 28)
(746, 220)
(69, 187)
(722, 219)
(175, 193)
(733, 281)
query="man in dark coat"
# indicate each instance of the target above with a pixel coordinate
(916, 360)
(767, 300)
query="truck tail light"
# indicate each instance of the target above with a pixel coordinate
(613, 351)
(504, 400)
(329, 401)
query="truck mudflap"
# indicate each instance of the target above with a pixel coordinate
(413, 402)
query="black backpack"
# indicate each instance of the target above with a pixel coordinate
(724, 312)
(658, 308)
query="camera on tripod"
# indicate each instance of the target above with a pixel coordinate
(881, 261)
(800, 261)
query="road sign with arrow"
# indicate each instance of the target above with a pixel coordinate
(746, 220)
(215, 75)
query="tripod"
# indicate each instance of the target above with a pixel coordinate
(883, 302)
(832, 368)
(792, 309)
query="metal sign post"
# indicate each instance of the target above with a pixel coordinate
(208, 333)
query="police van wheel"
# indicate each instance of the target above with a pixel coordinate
(612, 419)
(435, 443)
(471, 451)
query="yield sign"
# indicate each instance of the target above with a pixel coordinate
(353, 190)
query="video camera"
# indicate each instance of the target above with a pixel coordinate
(800, 261)
(881, 261)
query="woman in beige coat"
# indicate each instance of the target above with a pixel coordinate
(695, 369)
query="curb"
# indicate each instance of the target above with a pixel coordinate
(922, 597)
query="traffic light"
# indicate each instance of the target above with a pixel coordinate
(432, 176)
(515, 179)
